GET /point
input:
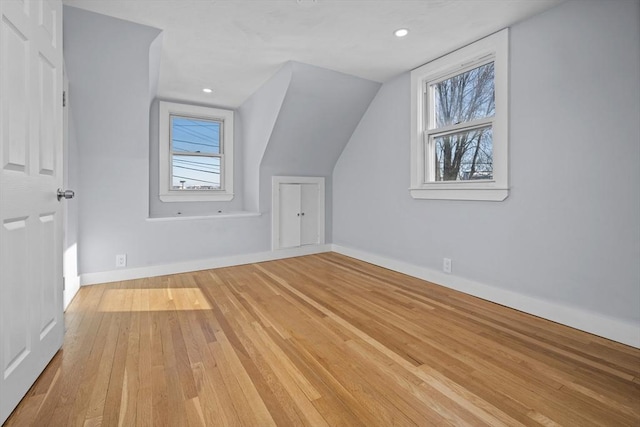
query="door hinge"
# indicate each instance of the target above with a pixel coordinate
(64, 98)
(64, 284)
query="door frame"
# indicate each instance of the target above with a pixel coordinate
(276, 181)
(71, 278)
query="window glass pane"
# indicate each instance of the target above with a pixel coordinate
(190, 135)
(465, 97)
(195, 173)
(464, 155)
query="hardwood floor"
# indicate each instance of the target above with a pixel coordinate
(321, 340)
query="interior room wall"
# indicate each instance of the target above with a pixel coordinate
(111, 68)
(108, 67)
(319, 113)
(569, 232)
(260, 112)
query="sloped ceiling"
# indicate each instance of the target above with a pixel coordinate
(298, 123)
(319, 113)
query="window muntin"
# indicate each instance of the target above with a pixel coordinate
(459, 123)
(195, 153)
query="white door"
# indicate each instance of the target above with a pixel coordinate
(299, 214)
(31, 316)
(289, 215)
(309, 214)
(297, 211)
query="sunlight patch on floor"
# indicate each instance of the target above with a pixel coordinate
(155, 299)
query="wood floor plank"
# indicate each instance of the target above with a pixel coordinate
(321, 340)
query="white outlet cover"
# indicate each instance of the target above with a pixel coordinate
(121, 260)
(446, 265)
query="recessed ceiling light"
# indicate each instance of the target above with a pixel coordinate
(207, 90)
(401, 32)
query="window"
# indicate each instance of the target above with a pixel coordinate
(460, 124)
(196, 153)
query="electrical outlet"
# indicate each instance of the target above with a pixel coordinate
(446, 265)
(121, 260)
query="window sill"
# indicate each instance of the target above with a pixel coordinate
(197, 197)
(219, 215)
(486, 194)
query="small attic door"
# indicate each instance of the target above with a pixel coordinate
(298, 212)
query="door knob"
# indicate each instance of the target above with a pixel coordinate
(66, 194)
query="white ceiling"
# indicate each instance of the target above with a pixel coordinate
(234, 46)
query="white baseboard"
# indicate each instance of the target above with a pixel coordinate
(611, 328)
(203, 264)
(608, 327)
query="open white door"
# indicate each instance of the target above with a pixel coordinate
(31, 316)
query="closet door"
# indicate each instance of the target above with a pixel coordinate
(297, 211)
(290, 218)
(309, 214)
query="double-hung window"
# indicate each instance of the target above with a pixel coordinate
(196, 153)
(460, 123)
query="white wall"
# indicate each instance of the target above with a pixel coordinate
(314, 113)
(108, 67)
(320, 111)
(569, 233)
(259, 114)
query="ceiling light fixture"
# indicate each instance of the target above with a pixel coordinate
(207, 90)
(401, 32)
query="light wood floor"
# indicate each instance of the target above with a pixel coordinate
(321, 340)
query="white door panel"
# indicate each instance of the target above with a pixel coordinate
(15, 301)
(309, 217)
(289, 215)
(47, 132)
(31, 317)
(15, 98)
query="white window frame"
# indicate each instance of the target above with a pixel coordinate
(167, 194)
(423, 186)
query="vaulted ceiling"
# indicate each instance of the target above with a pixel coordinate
(234, 46)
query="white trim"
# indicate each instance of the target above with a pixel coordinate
(196, 265)
(275, 206)
(239, 214)
(198, 196)
(608, 327)
(495, 194)
(611, 328)
(497, 46)
(164, 147)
